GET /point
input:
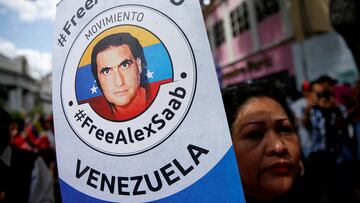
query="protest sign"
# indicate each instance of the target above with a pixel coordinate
(137, 106)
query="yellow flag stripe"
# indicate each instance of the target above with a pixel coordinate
(145, 38)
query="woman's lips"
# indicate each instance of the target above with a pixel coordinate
(280, 168)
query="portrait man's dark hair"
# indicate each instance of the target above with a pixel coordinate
(115, 40)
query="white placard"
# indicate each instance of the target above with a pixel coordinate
(137, 107)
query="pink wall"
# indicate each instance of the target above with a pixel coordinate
(217, 14)
(242, 44)
(269, 62)
(221, 54)
(271, 29)
(232, 4)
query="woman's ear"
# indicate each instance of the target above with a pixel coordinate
(302, 168)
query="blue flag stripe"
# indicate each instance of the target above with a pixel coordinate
(158, 62)
(84, 82)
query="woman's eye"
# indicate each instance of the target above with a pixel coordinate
(105, 71)
(254, 135)
(285, 129)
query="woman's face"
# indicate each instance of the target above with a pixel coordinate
(267, 148)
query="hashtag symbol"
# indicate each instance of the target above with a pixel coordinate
(61, 40)
(80, 115)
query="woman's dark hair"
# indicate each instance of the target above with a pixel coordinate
(236, 97)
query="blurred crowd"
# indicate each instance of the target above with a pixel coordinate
(328, 126)
(28, 161)
(35, 134)
(328, 118)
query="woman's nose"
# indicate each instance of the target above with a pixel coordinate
(275, 145)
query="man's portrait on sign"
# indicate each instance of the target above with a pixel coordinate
(122, 73)
(117, 62)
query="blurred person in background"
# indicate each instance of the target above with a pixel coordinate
(326, 121)
(354, 118)
(35, 137)
(30, 137)
(344, 95)
(299, 107)
(49, 131)
(331, 154)
(24, 176)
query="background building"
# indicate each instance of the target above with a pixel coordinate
(286, 41)
(19, 92)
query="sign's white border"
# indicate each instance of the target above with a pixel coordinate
(183, 62)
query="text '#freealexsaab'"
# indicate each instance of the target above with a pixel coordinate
(129, 135)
